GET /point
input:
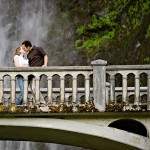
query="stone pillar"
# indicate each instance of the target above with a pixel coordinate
(107, 92)
(1, 89)
(124, 88)
(25, 91)
(37, 89)
(74, 89)
(112, 88)
(137, 90)
(13, 90)
(49, 89)
(87, 88)
(62, 89)
(148, 92)
(99, 83)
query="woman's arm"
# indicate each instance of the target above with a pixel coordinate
(16, 62)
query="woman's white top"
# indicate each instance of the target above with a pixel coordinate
(20, 61)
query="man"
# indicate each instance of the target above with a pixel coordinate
(37, 57)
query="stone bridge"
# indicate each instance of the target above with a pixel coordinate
(87, 106)
(99, 131)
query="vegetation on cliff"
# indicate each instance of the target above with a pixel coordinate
(117, 31)
(79, 31)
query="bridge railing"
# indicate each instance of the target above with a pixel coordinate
(129, 84)
(59, 84)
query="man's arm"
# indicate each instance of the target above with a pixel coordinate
(45, 61)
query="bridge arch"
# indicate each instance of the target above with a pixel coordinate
(130, 125)
(67, 132)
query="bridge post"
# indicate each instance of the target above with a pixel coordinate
(13, 89)
(49, 91)
(99, 83)
(25, 95)
(1, 89)
(148, 92)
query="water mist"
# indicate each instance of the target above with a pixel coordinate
(26, 20)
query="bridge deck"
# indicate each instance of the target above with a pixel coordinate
(111, 115)
(75, 133)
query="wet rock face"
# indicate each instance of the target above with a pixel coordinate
(53, 25)
(44, 25)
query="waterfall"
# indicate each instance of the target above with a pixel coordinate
(4, 28)
(29, 20)
(39, 22)
(11, 145)
(23, 20)
(34, 20)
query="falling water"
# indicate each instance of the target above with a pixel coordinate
(21, 20)
(39, 22)
(30, 20)
(4, 28)
(26, 20)
(21, 145)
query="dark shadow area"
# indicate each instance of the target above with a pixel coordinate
(49, 135)
(130, 126)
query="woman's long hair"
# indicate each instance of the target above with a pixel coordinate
(17, 52)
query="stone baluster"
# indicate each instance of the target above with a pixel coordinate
(148, 91)
(49, 89)
(13, 90)
(107, 92)
(124, 88)
(137, 89)
(62, 89)
(99, 84)
(74, 89)
(1, 89)
(25, 91)
(87, 88)
(37, 88)
(112, 88)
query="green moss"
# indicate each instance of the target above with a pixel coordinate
(148, 32)
(122, 22)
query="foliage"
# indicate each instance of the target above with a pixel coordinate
(148, 32)
(116, 21)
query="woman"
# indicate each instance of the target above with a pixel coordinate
(20, 61)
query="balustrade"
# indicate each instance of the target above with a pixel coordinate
(50, 92)
(126, 91)
(102, 92)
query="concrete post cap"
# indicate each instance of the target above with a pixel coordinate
(99, 62)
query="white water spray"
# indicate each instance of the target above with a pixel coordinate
(23, 20)
(19, 21)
